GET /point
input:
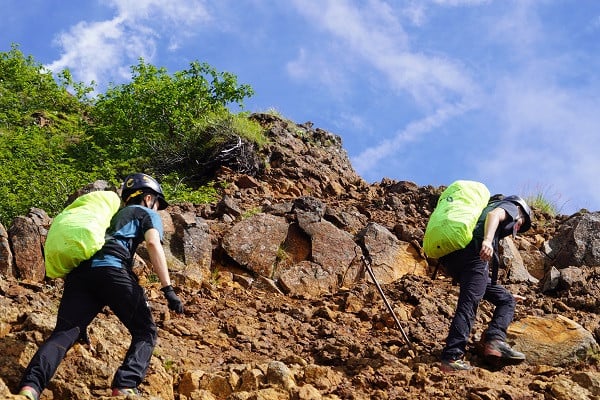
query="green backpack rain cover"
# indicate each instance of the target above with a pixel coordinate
(78, 231)
(451, 224)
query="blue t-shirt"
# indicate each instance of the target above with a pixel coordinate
(126, 232)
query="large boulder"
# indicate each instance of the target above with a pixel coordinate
(391, 258)
(191, 245)
(551, 340)
(577, 242)
(255, 242)
(6, 257)
(27, 235)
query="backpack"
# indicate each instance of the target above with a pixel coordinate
(451, 224)
(77, 233)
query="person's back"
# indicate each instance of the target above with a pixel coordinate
(125, 234)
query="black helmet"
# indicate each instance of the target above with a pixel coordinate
(136, 184)
(526, 210)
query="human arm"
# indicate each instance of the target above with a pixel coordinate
(159, 263)
(492, 221)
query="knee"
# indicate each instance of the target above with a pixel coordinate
(151, 335)
(65, 337)
(508, 300)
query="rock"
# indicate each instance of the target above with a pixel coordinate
(254, 243)
(344, 262)
(553, 340)
(564, 389)
(564, 279)
(577, 243)
(511, 259)
(308, 279)
(26, 242)
(589, 380)
(7, 267)
(191, 243)
(280, 375)
(391, 258)
(321, 377)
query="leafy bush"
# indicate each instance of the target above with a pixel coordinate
(177, 191)
(195, 154)
(39, 123)
(133, 119)
(53, 142)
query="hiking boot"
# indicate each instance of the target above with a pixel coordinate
(129, 392)
(451, 366)
(499, 350)
(29, 392)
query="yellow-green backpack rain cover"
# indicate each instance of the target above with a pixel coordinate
(451, 224)
(78, 231)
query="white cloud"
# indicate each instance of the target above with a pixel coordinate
(520, 28)
(545, 136)
(375, 35)
(372, 156)
(415, 12)
(92, 49)
(186, 12)
(103, 51)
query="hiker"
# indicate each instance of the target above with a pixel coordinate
(107, 279)
(469, 267)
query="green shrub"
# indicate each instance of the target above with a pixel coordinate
(53, 142)
(177, 191)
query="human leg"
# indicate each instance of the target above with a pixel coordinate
(472, 275)
(130, 305)
(504, 311)
(77, 309)
(495, 347)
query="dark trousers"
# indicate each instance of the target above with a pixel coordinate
(472, 274)
(86, 291)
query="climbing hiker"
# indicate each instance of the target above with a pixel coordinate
(107, 279)
(469, 267)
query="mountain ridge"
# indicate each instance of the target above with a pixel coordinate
(278, 304)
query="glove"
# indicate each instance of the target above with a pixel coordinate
(174, 303)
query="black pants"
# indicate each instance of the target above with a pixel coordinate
(87, 290)
(472, 274)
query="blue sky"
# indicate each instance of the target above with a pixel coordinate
(506, 92)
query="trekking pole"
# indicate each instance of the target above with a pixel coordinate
(389, 307)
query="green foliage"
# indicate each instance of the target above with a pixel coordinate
(53, 142)
(40, 122)
(134, 119)
(541, 203)
(26, 88)
(177, 191)
(545, 200)
(35, 172)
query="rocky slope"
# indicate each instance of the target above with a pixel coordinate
(278, 304)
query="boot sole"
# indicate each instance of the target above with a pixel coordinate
(500, 361)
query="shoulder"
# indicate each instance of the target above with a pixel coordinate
(137, 212)
(509, 207)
